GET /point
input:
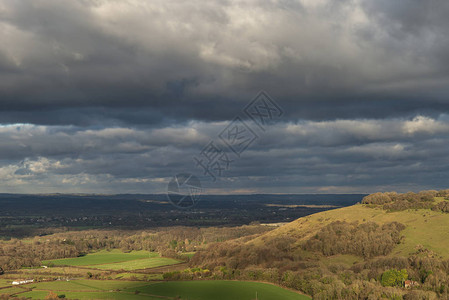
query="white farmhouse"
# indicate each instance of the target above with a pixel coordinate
(17, 282)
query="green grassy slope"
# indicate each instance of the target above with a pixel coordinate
(423, 226)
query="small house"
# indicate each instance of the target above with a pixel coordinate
(17, 282)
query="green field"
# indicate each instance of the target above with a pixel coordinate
(192, 290)
(138, 264)
(5, 282)
(188, 254)
(85, 285)
(101, 257)
(11, 290)
(89, 295)
(219, 290)
(138, 276)
(74, 271)
(116, 260)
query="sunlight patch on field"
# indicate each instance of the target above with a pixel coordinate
(423, 227)
(138, 264)
(101, 257)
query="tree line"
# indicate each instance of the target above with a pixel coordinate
(393, 201)
(366, 240)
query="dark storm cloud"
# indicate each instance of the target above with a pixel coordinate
(118, 96)
(177, 60)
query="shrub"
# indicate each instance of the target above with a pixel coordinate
(394, 277)
(377, 198)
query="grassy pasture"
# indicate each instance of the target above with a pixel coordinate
(138, 264)
(5, 282)
(188, 254)
(10, 291)
(85, 285)
(192, 290)
(116, 260)
(59, 270)
(89, 295)
(101, 257)
(139, 276)
(219, 290)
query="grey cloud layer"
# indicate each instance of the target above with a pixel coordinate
(195, 60)
(117, 96)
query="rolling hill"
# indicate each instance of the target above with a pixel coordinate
(350, 252)
(423, 227)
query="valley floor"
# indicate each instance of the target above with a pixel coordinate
(133, 275)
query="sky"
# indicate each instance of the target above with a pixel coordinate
(119, 96)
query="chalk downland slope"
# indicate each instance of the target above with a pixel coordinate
(423, 227)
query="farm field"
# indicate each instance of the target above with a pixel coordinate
(74, 271)
(4, 282)
(101, 257)
(138, 264)
(189, 254)
(11, 291)
(85, 285)
(89, 295)
(219, 290)
(138, 276)
(66, 276)
(116, 260)
(192, 290)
